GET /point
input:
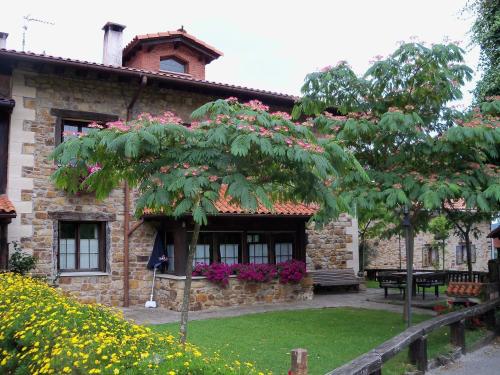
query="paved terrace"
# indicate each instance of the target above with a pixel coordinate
(363, 299)
(485, 361)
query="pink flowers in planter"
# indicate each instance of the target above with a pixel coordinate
(216, 272)
(255, 272)
(291, 272)
(287, 272)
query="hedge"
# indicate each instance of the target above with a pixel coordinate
(44, 332)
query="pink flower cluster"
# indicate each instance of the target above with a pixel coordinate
(283, 115)
(95, 125)
(118, 125)
(255, 272)
(217, 273)
(93, 168)
(288, 272)
(291, 272)
(256, 105)
(232, 99)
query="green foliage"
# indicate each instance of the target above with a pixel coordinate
(440, 227)
(20, 262)
(486, 34)
(260, 157)
(417, 150)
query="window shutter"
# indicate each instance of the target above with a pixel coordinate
(473, 253)
(459, 254)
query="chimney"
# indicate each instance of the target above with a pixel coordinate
(3, 40)
(113, 48)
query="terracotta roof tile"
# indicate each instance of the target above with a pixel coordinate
(224, 206)
(6, 206)
(464, 289)
(167, 34)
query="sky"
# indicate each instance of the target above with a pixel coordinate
(266, 44)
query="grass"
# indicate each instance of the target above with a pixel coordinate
(331, 336)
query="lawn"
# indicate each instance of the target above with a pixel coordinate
(331, 336)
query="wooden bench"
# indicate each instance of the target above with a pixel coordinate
(335, 277)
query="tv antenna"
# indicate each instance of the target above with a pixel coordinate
(27, 20)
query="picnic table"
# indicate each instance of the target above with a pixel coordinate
(422, 279)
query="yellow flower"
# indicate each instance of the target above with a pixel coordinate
(116, 371)
(66, 370)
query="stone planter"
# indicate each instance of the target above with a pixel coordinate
(169, 290)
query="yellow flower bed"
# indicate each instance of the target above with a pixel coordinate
(44, 332)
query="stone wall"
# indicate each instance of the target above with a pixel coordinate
(207, 295)
(333, 246)
(385, 253)
(38, 202)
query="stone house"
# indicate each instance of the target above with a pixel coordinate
(95, 248)
(391, 253)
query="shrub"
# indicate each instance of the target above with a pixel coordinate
(44, 332)
(20, 262)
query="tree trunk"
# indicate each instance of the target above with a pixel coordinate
(409, 242)
(362, 253)
(444, 252)
(469, 255)
(187, 284)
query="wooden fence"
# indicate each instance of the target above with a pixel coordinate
(416, 339)
(451, 275)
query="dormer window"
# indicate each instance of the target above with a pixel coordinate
(171, 64)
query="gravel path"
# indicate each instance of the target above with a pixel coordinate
(485, 361)
(141, 315)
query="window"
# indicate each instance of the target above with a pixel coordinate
(229, 247)
(172, 65)
(257, 249)
(283, 251)
(203, 248)
(461, 253)
(81, 246)
(430, 256)
(71, 127)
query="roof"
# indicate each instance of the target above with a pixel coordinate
(177, 36)
(6, 206)
(175, 79)
(224, 207)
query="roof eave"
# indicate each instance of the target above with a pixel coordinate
(165, 77)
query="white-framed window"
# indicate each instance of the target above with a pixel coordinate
(283, 251)
(258, 251)
(81, 246)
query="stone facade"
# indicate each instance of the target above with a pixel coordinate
(206, 295)
(40, 205)
(333, 246)
(386, 253)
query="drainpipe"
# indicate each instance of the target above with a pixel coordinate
(126, 207)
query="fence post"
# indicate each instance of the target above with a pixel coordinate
(490, 320)
(418, 353)
(457, 335)
(299, 362)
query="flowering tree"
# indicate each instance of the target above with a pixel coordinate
(419, 152)
(261, 157)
